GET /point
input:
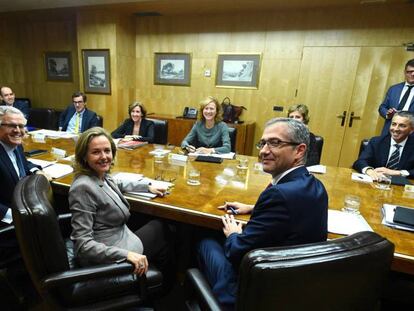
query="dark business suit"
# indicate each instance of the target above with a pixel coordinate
(22, 106)
(146, 130)
(89, 118)
(392, 100)
(376, 154)
(294, 211)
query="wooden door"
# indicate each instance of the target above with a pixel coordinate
(326, 83)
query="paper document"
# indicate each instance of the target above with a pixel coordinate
(361, 178)
(346, 223)
(228, 156)
(41, 163)
(58, 170)
(127, 176)
(160, 152)
(320, 169)
(388, 211)
(53, 134)
(142, 195)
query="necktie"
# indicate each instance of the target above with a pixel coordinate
(19, 162)
(77, 123)
(405, 97)
(394, 158)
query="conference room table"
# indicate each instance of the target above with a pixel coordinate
(221, 182)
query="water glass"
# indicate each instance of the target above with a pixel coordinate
(193, 178)
(383, 182)
(351, 204)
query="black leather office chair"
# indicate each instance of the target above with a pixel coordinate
(160, 131)
(42, 118)
(315, 151)
(341, 274)
(50, 260)
(25, 100)
(100, 120)
(233, 136)
(364, 144)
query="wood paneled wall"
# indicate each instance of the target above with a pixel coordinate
(281, 38)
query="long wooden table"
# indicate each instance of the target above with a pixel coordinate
(224, 182)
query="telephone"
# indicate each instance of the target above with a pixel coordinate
(190, 113)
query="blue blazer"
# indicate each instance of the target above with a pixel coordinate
(376, 154)
(391, 100)
(146, 130)
(22, 106)
(295, 211)
(9, 177)
(89, 118)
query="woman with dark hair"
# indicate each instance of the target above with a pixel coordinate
(100, 211)
(209, 134)
(136, 127)
(301, 113)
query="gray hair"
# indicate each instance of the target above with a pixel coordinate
(406, 114)
(297, 131)
(10, 110)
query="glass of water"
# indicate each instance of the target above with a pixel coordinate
(193, 177)
(383, 182)
(352, 204)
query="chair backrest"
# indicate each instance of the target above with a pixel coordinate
(341, 274)
(233, 135)
(319, 147)
(25, 100)
(364, 144)
(160, 131)
(100, 120)
(44, 118)
(37, 229)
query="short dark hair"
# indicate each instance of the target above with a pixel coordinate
(409, 63)
(141, 106)
(77, 94)
(406, 114)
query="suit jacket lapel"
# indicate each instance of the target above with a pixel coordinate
(408, 149)
(384, 150)
(119, 200)
(7, 163)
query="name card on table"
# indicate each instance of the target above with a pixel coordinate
(58, 153)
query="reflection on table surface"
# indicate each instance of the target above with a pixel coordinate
(226, 182)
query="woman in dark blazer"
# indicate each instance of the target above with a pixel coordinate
(301, 113)
(100, 211)
(136, 126)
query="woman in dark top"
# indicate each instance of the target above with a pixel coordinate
(136, 126)
(301, 113)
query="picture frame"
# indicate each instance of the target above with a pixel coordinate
(96, 71)
(238, 70)
(172, 69)
(58, 66)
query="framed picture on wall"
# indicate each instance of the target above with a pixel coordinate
(58, 66)
(96, 71)
(238, 70)
(172, 69)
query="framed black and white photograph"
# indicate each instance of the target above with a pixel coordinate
(96, 71)
(238, 70)
(58, 66)
(172, 69)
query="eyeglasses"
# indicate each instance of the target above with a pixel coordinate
(274, 143)
(13, 126)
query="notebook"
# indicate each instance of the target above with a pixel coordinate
(404, 215)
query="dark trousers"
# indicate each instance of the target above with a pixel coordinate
(218, 270)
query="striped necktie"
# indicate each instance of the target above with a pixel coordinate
(405, 98)
(394, 158)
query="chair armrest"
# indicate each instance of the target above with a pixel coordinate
(202, 290)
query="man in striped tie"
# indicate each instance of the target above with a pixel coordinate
(392, 154)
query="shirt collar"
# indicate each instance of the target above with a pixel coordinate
(277, 178)
(7, 147)
(402, 144)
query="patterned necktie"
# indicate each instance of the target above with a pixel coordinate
(394, 158)
(77, 123)
(405, 97)
(19, 162)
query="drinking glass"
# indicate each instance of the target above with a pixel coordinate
(351, 204)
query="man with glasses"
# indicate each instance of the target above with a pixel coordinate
(291, 210)
(13, 165)
(8, 98)
(399, 97)
(77, 118)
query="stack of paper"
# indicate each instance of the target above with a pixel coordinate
(41, 163)
(320, 169)
(388, 211)
(346, 223)
(53, 134)
(58, 170)
(361, 178)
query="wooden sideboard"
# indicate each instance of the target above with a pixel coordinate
(179, 127)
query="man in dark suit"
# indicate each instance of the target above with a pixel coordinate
(13, 165)
(291, 210)
(399, 97)
(77, 118)
(8, 98)
(392, 154)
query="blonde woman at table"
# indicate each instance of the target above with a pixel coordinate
(136, 127)
(100, 211)
(209, 134)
